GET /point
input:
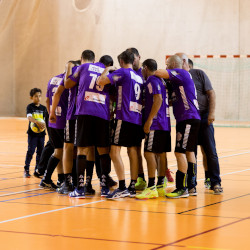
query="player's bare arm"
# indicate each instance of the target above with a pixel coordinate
(154, 110)
(212, 101)
(68, 83)
(55, 101)
(103, 79)
(162, 73)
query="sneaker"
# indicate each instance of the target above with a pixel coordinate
(132, 192)
(161, 189)
(207, 183)
(37, 174)
(178, 193)
(64, 189)
(48, 185)
(192, 191)
(111, 182)
(26, 174)
(148, 193)
(89, 190)
(60, 183)
(104, 191)
(77, 193)
(140, 184)
(217, 189)
(118, 194)
(169, 176)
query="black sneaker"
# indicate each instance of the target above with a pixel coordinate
(65, 189)
(26, 174)
(89, 190)
(132, 192)
(48, 185)
(111, 182)
(60, 183)
(37, 174)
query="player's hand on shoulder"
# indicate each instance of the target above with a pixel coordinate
(112, 68)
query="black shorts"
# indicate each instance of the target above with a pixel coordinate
(187, 135)
(70, 131)
(92, 131)
(56, 137)
(126, 134)
(157, 141)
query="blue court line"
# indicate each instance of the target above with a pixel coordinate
(20, 186)
(4, 179)
(26, 197)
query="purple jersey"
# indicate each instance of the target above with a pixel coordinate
(61, 109)
(91, 99)
(154, 86)
(129, 100)
(184, 98)
(72, 99)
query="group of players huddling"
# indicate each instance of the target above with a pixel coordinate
(96, 106)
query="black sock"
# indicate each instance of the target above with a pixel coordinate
(181, 180)
(53, 162)
(97, 164)
(151, 182)
(160, 180)
(74, 176)
(132, 184)
(89, 172)
(207, 174)
(192, 172)
(81, 163)
(67, 179)
(142, 176)
(122, 185)
(105, 162)
(60, 178)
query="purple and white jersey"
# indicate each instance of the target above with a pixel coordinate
(153, 86)
(129, 98)
(62, 107)
(184, 97)
(72, 99)
(91, 99)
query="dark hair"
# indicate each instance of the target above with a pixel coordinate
(34, 91)
(134, 51)
(76, 63)
(151, 64)
(190, 62)
(127, 57)
(106, 60)
(88, 55)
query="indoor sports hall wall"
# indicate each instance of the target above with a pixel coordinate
(37, 38)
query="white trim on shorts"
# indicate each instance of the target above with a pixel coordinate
(186, 135)
(117, 131)
(150, 140)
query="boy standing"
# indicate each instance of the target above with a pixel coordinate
(34, 111)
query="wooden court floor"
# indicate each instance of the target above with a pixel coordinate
(32, 218)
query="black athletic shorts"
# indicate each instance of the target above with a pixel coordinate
(70, 131)
(92, 131)
(126, 134)
(157, 141)
(187, 135)
(56, 137)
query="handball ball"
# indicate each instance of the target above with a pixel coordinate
(35, 128)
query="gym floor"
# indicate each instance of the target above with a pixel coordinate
(32, 218)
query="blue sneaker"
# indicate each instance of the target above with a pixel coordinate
(80, 194)
(104, 191)
(118, 194)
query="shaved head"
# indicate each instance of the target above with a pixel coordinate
(174, 62)
(184, 59)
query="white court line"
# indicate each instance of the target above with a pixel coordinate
(50, 211)
(20, 192)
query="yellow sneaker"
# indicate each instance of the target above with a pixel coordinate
(161, 190)
(140, 184)
(148, 193)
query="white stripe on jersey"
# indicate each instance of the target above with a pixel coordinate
(135, 77)
(184, 98)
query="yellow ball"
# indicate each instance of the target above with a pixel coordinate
(35, 128)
